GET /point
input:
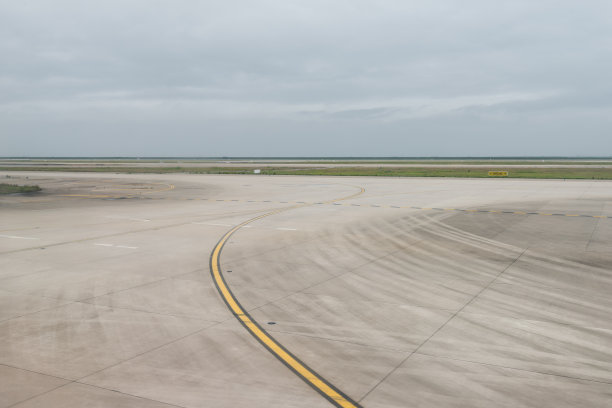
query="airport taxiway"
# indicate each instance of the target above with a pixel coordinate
(396, 292)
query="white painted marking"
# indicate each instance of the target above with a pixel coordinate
(213, 224)
(286, 229)
(128, 218)
(16, 237)
(117, 246)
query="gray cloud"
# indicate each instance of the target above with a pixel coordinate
(305, 78)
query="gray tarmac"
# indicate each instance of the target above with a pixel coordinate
(414, 293)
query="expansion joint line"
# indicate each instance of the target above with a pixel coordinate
(307, 374)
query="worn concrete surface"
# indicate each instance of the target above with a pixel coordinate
(106, 298)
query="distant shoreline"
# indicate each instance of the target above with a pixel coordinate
(465, 168)
(317, 158)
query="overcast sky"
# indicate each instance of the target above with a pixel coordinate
(305, 78)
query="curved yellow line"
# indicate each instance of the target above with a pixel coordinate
(308, 375)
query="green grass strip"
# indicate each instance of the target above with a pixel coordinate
(14, 188)
(469, 172)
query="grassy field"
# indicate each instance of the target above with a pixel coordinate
(475, 172)
(471, 172)
(493, 162)
(14, 188)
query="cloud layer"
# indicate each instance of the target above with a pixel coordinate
(296, 78)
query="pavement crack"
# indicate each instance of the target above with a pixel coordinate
(444, 324)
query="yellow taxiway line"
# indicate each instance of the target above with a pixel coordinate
(311, 377)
